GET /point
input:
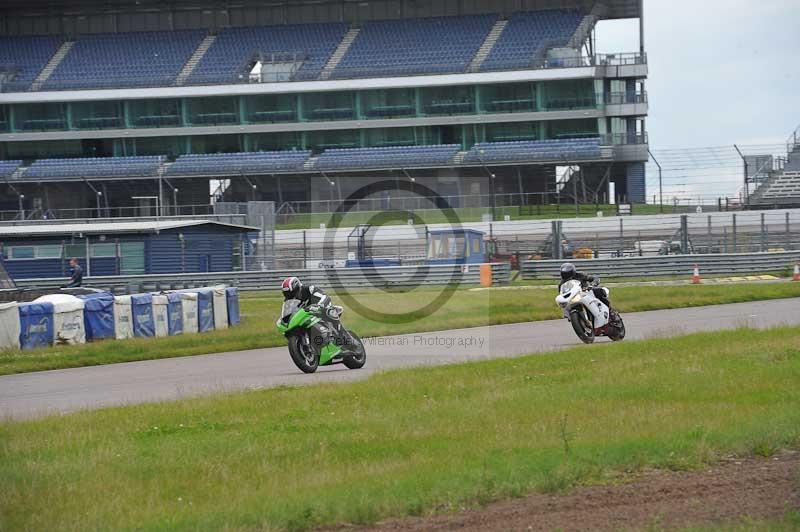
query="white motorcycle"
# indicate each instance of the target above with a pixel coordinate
(589, 316)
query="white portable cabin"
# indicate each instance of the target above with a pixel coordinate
(189, 309)
(220, 307)
(123, 317)
(9, 326)
(161, 314)
(68, 326)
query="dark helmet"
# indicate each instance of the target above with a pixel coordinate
(567, 271)
(291, 287)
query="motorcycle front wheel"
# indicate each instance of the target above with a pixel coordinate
(583, 328)
(619, 331)
(305, 357)
(358, 355)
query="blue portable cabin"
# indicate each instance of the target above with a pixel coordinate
(456, 246)
(38, 251)
(98, 315)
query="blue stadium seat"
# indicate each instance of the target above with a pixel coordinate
(436, 45)
(534, 150)
(528, 34)
(8, 167)
(97, 167)
(235, 48)
(26, 56)
(387, 157)
(238, 163)
(119, 60)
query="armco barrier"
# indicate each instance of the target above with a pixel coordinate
(666, 265)
(270, 280)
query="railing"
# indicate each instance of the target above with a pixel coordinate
(668, 266)
(231, 76)
(398, 276)
(793, 141)
(133, 213)
(227, 218)
(516, 205)
(434, 108)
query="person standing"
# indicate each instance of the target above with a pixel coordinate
(76, 274)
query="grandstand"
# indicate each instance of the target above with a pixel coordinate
(102, 109)
(782, 185)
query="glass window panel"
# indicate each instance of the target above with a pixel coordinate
(132, 258)
(21, 252)
(104, 250)
(75, 251)
(48, 252)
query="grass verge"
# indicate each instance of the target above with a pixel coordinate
(464, 309)
(405, 442)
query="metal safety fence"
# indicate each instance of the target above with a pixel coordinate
(382, 277)
(668, 266)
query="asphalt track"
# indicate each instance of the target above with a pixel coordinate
(60, 391)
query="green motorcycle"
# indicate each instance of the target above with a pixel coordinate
(317, 338)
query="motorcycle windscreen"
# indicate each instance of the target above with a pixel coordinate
(205, 310)
(36, 325)
(288, 308)
(142, 309)
(567, 287)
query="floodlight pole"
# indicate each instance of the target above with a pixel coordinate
(660, 188)
(491, 185)
(746, 174)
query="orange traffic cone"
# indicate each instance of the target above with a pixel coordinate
(696, 275)
(796, 274)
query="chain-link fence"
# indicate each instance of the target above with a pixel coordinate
(258, 252)
(599, 237)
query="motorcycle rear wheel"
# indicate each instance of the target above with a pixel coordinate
(582, 327)
(305, 357)
(358, 358)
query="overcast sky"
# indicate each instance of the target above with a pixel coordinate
(721, 71)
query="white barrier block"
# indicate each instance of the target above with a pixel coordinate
(189, 308)
(123, 317)
(9, 326)
(68, 326)
(161, 314)
(220, 307)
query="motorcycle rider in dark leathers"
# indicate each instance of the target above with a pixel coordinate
(570, 273)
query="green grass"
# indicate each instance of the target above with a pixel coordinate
(465, 214)
(406, 442)
(790, 522)
(465, 309)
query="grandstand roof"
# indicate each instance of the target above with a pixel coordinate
(109, 227)
(320, 10)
